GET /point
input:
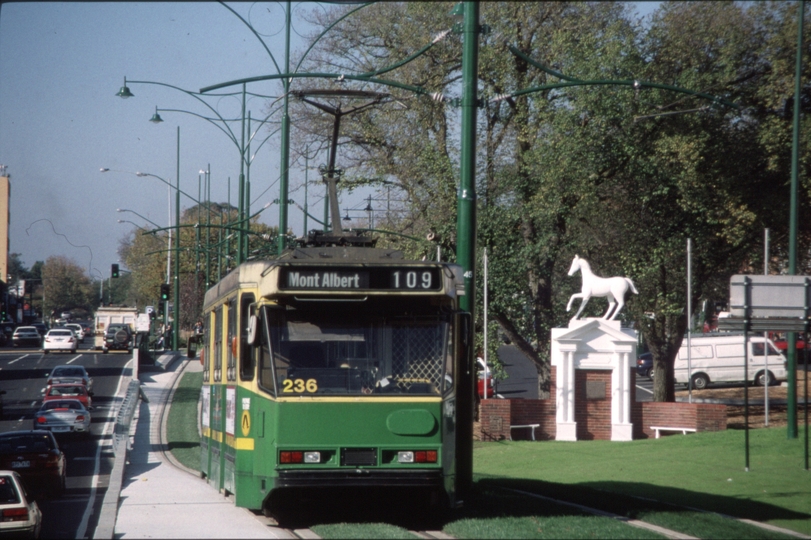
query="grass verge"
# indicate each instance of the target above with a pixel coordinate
(703, 470)
(181, 428)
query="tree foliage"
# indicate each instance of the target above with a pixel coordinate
(65, 286)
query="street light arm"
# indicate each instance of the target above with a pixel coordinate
(571, 81)
(168, 184)
(385, 82)
(327, 29)
(137, 214)
(190, 93)
(246, 23)
(228, 133)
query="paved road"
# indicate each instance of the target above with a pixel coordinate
(89, 461)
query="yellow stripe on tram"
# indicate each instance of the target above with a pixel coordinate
(358, 399)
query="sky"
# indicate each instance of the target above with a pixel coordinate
(61, 65)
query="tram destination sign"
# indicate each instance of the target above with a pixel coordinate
(359, 279)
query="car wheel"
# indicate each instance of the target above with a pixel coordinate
(45, 351)
(73, 351)
(764, 378)
(104, 351)
(649, 373)
(700, 381)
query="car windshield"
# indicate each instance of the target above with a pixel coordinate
(68, 372)
(8, 491)
(377, 351)
(27, 442)
(72, 404)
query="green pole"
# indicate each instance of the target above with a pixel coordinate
(466, 230)
(285, 158)
(246, 224)
(208, 229)
(241, 194)
(176, 287)
(306, 182)
(791, 394)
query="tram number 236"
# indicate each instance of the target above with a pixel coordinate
(300, 386)
(412, 279)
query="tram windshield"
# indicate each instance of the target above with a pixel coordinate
(339, 351)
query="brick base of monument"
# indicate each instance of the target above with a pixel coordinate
(592, 413)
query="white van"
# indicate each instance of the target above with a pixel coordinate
(719, 358)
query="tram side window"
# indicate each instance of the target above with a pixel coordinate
(262, 352)
(217, 359)
(246, 362)
(205, 357)
(231, 371)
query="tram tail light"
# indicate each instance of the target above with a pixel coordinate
(417, 456)
(298, 456)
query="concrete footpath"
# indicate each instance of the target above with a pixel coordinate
(160, 500)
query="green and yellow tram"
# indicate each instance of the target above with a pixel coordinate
(336, 368)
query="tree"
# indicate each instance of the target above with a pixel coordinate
(65, 286)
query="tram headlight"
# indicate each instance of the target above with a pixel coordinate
(405, 457)
(312, 457)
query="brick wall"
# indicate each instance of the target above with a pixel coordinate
(699, 416)
(592, 414)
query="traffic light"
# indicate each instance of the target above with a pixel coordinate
(165, 289)
(114, 271)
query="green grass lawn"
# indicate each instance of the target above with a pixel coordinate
(181, 427)
(659, 481)
(704, 470)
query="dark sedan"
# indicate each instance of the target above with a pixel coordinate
(644, 365)
(36, 457)
(26, 335)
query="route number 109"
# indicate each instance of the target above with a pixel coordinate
(411, 279)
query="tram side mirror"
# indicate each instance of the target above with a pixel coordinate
(252, 325)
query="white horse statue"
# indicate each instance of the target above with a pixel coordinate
(614, 288)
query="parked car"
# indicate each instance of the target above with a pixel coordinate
(70, 374)
(26, 335)
(481, 380)
(20, 516)
(41, 327)
(77, 329)
(63, 416)
(644, 365)
(721, 358)
(36, 457)
(60, 339)
(72, 391)
(118, 337)
(7, 328)
(88, 328)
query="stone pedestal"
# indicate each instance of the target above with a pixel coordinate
(593, 344)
